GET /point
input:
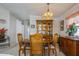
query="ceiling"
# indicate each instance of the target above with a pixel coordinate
(24, 10)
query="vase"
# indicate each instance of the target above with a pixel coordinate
(2, 35)
(70, 34)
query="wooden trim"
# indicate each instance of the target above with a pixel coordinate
(73, 15)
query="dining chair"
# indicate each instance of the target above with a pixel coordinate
(36, 45)
(47, 41)
(27, 45)
(21, 44)
(54, 45)
(51, 44)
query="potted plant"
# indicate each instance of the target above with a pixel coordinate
(2, 33)
(71, 29)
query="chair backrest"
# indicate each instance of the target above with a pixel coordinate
(36, 44)
(55, 38)
(20, 39)
(47, 41)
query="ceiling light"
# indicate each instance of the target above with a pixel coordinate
(47, 15)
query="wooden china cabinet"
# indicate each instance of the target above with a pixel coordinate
(45, 27)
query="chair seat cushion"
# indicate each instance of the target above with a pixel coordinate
(27, 47)
(51, 46)
(45, 47)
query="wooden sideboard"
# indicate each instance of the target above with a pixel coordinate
(70, 46)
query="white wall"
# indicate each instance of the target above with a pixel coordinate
(19, 27)
(4, 14)
(32, 22)
(12, 27)
(56, 25)
(66, 14)
(26, 29)
(56, 22)
(10, 24)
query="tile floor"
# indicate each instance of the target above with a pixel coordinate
(14, 51)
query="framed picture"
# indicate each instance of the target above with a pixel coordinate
(32, 26)
(62, 25)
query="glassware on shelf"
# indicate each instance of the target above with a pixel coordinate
(39, 27)
(43, 32)
(44, 26)
(39, 32)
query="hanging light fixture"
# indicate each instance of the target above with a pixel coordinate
(47, 15)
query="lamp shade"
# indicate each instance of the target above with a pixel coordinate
(48, 14)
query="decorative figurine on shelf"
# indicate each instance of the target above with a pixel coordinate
(2, 33)
(72, 29)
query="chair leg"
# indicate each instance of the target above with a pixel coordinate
(55, 52)
(48, 52)
(19, 52)
(44, 52)
(31, 55)
(24, 52)
(30, 52)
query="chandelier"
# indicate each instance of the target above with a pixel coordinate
(47, 15)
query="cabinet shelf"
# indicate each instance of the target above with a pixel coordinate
(46, 26)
